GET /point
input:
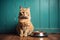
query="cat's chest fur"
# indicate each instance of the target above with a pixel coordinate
(24, 25)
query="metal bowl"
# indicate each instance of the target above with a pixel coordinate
(39, 34)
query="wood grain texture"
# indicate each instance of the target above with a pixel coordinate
(15, 37)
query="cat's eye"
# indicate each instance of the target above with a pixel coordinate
(23, 12)
(26, 12)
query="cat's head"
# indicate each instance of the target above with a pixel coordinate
(24, 13)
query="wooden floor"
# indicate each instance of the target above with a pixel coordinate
(15, 37)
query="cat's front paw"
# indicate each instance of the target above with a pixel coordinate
(21, 35)
(25, 35)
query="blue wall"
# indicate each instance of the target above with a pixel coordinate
(45, 14)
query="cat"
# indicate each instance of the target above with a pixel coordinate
(25, 26)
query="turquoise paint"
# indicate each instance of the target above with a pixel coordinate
(8, 16)
(59, 14)
(53, 13)
(45, 14)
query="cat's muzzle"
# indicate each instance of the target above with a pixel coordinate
(23, 17)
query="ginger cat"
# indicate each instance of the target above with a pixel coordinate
(25, 26)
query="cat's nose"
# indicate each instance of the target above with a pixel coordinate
(24, 14)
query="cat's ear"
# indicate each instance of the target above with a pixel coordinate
(21, 7)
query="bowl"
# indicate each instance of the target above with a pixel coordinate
(39, 34)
